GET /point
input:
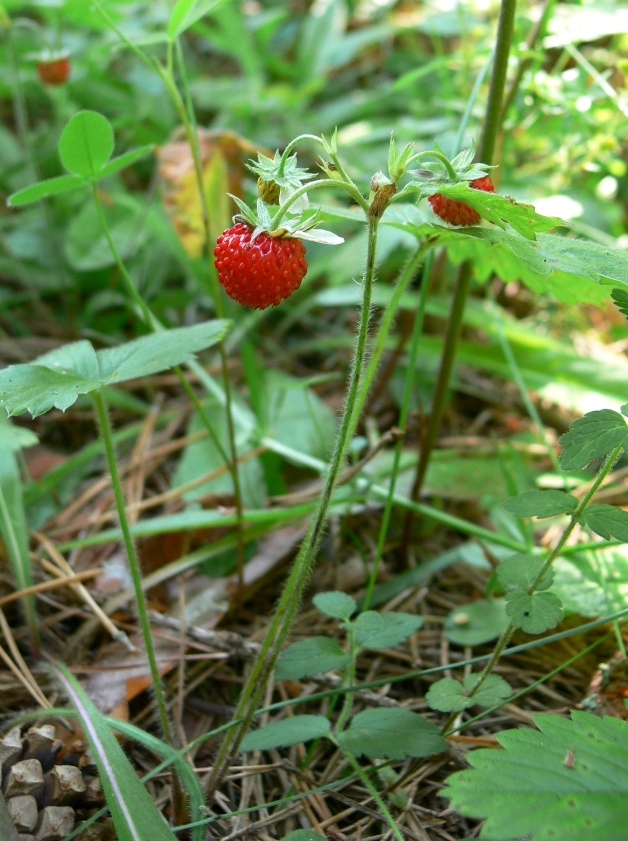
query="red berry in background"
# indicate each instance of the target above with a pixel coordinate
(54, 72)
(260, 272)
(457, 213)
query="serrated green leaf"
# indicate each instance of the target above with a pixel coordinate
(384, 630)
(122, 161)
(57, 378)
(533, 613)
(44, 189)
(591, 437)
(335, 604)
(541, 504)
(448, 696)
(158, 351)
(477, 623)
(521, 570)
(607, 521)
(313, 656)
(134, 813)
(391, 733)
(570, 777)
(493, 692)
(86, 144)
(290, 731)
(500, 210)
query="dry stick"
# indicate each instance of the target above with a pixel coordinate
(486, 148)
(291, 597)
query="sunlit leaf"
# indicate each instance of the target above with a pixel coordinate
(591, 437)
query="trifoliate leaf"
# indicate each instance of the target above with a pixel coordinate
(607, 521)
(59, 377)
(313, 656)
(384, 630)
(290, 731)
(448, 696)
(476, 623)
(520, 571)
(533, 613)
(493, 691)
(541, 504)
(593, 436)
(335, 604)
(565, 782)
(391, 733)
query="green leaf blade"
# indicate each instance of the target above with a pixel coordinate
(45, 189)
(335, 604)
(290, 731)
(134, 813)
(550, 503)
(86, 144)
(607, 521)
(309, 657)
(570, 775)
(591, 437)
(384, 630)
(127, 159)
(534, 613)
(391, 733)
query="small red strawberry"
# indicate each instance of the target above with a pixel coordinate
(55, 71)
(455, 212)
(259, 271)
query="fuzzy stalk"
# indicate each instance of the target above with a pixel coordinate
(261, 671)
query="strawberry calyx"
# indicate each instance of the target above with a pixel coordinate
(273, 221)
(279, 178)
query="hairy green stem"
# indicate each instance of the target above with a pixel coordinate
(290, 599)
(486, 148)
(506, 635)
(134, 564)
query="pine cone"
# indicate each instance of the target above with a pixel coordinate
(50, 788)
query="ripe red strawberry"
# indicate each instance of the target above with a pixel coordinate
(455, 212)
(54, 72)
(259, 272)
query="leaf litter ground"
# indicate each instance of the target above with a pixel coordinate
(203, 660)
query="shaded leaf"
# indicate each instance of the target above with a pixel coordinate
(521, 570)
(384, 630)
(476, 623)
(134, 813)
(593, 582)
(336, 604)
(593, 436)
(533, 613)
(448, 696)
(494, 691)
(391, 733)
(290, 731)
(313, 656)
(607, 521)
(620, 296)
(570, 776)
(541, 504)
(86, 144)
